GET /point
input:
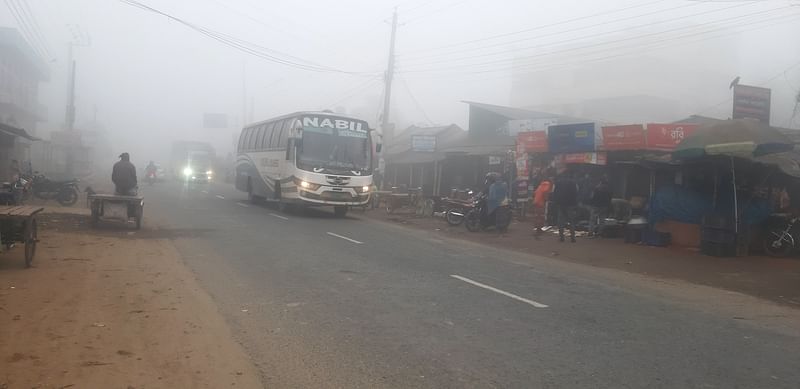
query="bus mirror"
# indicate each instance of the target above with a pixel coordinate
(378, 147)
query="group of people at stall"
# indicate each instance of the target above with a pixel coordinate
(560, 191)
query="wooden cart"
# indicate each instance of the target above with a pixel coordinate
(18, 225)
(116, 207)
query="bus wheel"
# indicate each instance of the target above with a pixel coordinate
(340, 210)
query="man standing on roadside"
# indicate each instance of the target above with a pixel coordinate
(565, 197)
(124, 176)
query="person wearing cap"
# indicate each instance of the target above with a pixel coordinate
(124, 176)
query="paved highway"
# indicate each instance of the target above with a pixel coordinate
(324, 302)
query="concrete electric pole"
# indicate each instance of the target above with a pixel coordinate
(386, 129)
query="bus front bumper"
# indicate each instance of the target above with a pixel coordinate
(334, 198)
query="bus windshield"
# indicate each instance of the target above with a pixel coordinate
(334, 149)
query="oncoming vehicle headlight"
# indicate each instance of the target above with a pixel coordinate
(305, 184)
(209, 172)
(187, 171)
(365, 189)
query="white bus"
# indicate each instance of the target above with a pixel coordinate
(307, 159)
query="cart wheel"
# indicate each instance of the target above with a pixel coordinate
(31, 237)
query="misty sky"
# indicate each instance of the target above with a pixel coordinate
(152, 78)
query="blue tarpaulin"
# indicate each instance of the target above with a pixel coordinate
(683, 205)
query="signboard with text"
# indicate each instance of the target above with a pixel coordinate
(571, 138)
(665, 137)
(423, 143)
(593, 158)
(532, 141)
(751, 102)
(629, 137)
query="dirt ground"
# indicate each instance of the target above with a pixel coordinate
(775, 279)
(111, 308)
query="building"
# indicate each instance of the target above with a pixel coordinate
(21, 70)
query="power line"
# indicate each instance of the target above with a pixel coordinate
(414, 99)
(598, 45)
(242, 45)
(637, 51)
(353, 91)
(26, 10)
(25, 29)
(446, 7)
(582, 37)
(537, 27)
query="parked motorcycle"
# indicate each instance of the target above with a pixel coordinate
(781, 237)
(11, 193)
(456, 210)
(478, 219)
(65, 192)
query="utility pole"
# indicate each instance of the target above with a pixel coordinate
(388, 132)
(69, 116)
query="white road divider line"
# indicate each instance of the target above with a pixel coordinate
(220, 197)
(493, 289)
(279, 216)
(204, 191)
(242, 205)
(344, 237)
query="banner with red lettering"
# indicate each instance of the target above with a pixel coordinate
(532, 141)
(629, 137)
(665, 137)
(593, 158)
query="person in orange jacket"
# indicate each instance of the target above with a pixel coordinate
(540, 197)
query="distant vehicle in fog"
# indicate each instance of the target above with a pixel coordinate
(192, 161)
(307, 159)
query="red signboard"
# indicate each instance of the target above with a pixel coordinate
(665, 137)
(630, 137)
(533, 141)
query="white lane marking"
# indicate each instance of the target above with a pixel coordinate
(344, 237)
(279, 216)
(204, 191)
(242, 205)
(504, 293)
(220, 197)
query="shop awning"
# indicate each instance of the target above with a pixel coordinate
(14, 131)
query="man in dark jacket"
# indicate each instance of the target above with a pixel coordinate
(124, 176)
(565, 197)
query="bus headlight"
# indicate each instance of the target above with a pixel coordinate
(365, 189)
(187, 171)
(305, 184)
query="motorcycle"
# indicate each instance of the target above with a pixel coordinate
(150, 178)
(456, 210)
(478, 219)
(11, 193)
(781, 238)
(65, 192)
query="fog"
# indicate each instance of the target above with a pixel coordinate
(148, 79)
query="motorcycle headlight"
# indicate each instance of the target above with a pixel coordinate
(187, 171)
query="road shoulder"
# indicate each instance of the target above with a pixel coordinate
(111, 308)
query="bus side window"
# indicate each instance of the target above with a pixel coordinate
(251, 140)
(260, 135)
(246, 139)
(242, 138)
(287, 128)
(290, 150)
(276, 134)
